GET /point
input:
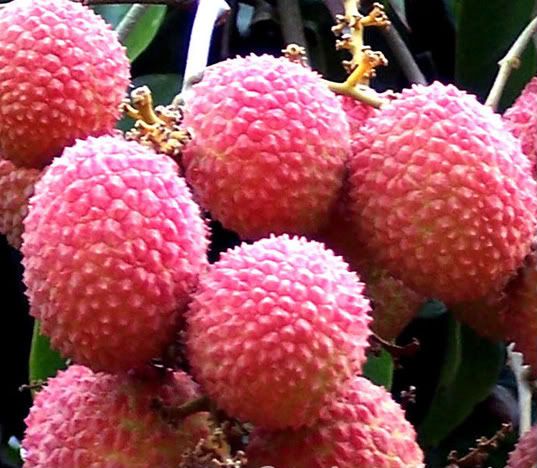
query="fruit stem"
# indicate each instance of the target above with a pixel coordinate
(350, 30)
(207, 14)
(396, 351)
(174, 415)
(522, 373)
(291, 22)
(479, 454)
(361, 93)
(510, 62)
(175, 3)
(129, 21)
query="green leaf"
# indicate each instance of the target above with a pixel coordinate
(379, 369)
(471, 368)
(144, 31)
(485, 32)
(112, 14)
(44, 361)
(163, 88)
(432, 309)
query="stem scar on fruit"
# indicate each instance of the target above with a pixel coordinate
(361, 67)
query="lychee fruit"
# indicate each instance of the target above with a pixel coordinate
(525, 453)
(276, 329)
(521, 119)
(270, 141)
(364, 428)
(16, 187)
(357, 112)
(82, 419)
(393, 303)
(521, 322)
(510, 315)
(112, 248)
(63, 75)
(441, 194)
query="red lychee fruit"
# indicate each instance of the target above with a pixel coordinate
(270, 141)
(16, 187)
(441, 194)
(510, 315)
(276, 329)
(82, 419)
(521, 322)
(525, 453)
(364, 428)
(521, 119)
(112, 248)
(63, 75)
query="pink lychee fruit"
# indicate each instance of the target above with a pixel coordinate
(63, 75)
(357, 112)
(441, 194)
(521, 119)
(394, 304)
(82, 419)
(364, 428)
(270, 141)
(16, 187)
(525, 453)
(276, 329)
(112, 248)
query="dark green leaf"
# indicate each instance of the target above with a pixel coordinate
(163, 88)
(432, 309)
(44, 361)
(112, 14)
(144, 31)
(379, 369)
(469, 372)
(485, 32)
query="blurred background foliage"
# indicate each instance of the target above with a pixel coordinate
(463, 388)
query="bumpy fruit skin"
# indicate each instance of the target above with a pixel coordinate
(63, 74)
(525, 453)
(357, 112)
(364, 428)
(16, 187)
(393, 304)
(521, 119)
(113, 246)
(276, 329)
(521, 323)
(269, 146)
(510, 315)
(441, 193)
(82, 419)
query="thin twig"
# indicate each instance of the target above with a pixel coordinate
(174, 415)
(129, 21)
(291, 22)
(403, 56)
(510, 62)
(175, 3)
(209, 11)
(521, 371)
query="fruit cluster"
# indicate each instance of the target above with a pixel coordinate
(429, 196)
